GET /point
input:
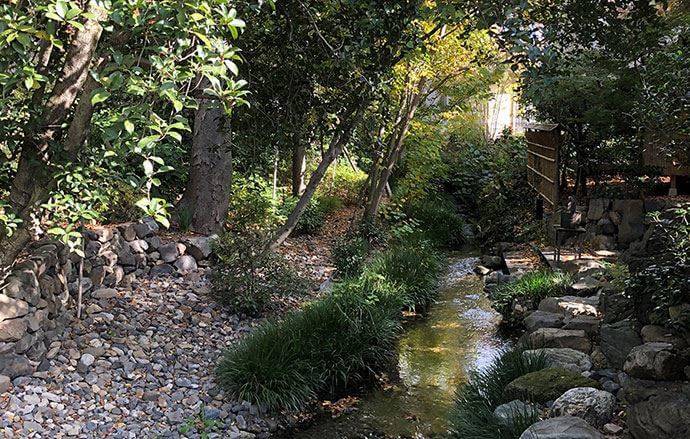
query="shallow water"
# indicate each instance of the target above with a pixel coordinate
(434, 357)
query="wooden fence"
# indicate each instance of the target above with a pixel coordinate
(543, 160)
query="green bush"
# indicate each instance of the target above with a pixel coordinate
(439, 221)
(251, 205)
(349, 254)
(346, 185)
(245, 278)
(335, 341)
(315, 351)
(473, 417)
(529, 290)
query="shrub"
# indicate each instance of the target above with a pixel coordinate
(413, 267)
(475, 402)
(529, 290)
(315, 351)
(346, 185)
(251, 205)
(335, 341)
(244, 277)
(439, 221)
(349, 254)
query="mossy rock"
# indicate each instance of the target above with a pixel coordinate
(546, 385)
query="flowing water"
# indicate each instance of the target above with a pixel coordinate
(435, 355)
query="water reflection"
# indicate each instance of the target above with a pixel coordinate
(435, 356)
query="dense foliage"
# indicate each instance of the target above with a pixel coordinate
(333, 342)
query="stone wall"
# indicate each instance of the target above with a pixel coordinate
(617, 224)
(37, 299)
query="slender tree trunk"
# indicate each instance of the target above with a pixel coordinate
(207, 195)
(396, 144)
(299, 167)
(334, 149)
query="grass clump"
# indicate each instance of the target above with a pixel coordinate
(333, 342)
(475, 402)
(349, 254)
(439, 221)
(529, 290)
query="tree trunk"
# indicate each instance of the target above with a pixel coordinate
(396, 144)
(299, 168)
(32, 183)
(334, 149)
(207, 195)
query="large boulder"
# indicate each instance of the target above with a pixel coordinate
(617, 340)
(200, 247)
(654, 361)
(546, 385)
(589, 324)
(505, 413)
(563, 358)
(585, 287)
(593, 405)
(570, 305)
(631, 227)
(615, 305)
(14, 365)
(12, 330)
(12, 308)
(659, 334)
(542, 319)
(560, 338)
(564, 427)
(664, 415)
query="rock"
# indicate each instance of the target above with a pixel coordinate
(630, 227)
(659, 334)
(589, 324)
(12, 330)
(570, 305)
(169, 252)
(542, 319)
(5, 383)
(146, 228)
(655, 361)
(597, 207)
(200, 247)
(493, 262)
(86, 360)
(662, 416)
(617, 340)
(12, 308)
(127, 231)
(14, 365)
(585, 287)
(104, 293)
(564, 427)
(593, 405)
(560, 338)
(154, 243)
(185, 264)
(138, 246)
(103, 235)
(563, 358)
(612, 429)
(162, 270)
(516, 408)
(615, 305)
(481, 270)
(546, 385)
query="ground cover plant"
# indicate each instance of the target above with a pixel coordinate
(473, 413)
(529, 290)
(333, 342)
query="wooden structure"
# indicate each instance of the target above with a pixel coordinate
(673, 167)
(543, 160)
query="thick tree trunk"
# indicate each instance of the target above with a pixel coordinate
(207, 195)
(299, 168)
(334, 150)
(32, 183)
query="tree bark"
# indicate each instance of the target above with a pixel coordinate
(396, 144)
(335, 148)
(299, 168)
(207, 195)
(32, 182)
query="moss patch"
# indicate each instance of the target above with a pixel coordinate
(546, 385)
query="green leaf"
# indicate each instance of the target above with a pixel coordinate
(99, 96)
(129, 126)
(148, 168)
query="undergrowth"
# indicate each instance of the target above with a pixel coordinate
(473, 414)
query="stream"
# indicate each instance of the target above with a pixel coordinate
(435, 356)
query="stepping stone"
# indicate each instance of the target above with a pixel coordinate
(563, 427)
(542, 319)
(589, 324)
(617, 340)
(564, 358)
(593, 405)
(571, 305)
(561, 338)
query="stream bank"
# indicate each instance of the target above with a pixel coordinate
(435, 355)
